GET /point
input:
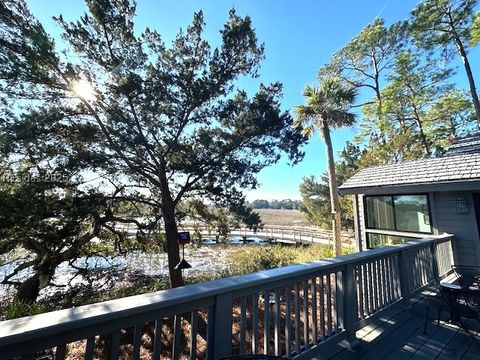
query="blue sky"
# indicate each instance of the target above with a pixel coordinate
(299, 37)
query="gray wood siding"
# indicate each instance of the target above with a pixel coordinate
(463, 226)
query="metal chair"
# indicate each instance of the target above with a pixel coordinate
(437, 301)
(464, 303)
(467, 276)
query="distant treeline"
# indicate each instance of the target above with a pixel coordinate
(275, 204)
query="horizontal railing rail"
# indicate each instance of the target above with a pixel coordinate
(292, 311)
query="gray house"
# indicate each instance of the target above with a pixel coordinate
(399, 202)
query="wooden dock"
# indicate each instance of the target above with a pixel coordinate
(305, 235)
(285, 234)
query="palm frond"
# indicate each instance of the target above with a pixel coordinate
(304, 114)
(338, 119)
(326, 105)
(308, 131)
(309, 91)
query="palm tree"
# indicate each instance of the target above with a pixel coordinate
(327, 106)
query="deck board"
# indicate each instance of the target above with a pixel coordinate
(399, 334)
(473, 351)
(457, 346)
(414, 342)
(372, 334)
(395, 340)
(436, 343)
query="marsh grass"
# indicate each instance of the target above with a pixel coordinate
(251, 259)
(283, 217)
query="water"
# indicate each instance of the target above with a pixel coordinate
(238, 240)
(209, 259)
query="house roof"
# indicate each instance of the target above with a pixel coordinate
(461, 163)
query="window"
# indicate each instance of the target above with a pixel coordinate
(399, 213)
(380, 213)
(377, 240)
(411, 213)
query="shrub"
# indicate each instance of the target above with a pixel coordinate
(252, 258)
(136, 286)
(17, 309)
(201, 278)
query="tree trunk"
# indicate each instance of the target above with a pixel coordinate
(334, 200)
(28, 291)
(471, 81)
(378, 94)
(171, 231)
(423, 137)
(171, 234)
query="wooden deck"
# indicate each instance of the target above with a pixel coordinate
(398, 334)
(356, 298)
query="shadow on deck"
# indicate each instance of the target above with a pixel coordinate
(316, 308)
(399, 334)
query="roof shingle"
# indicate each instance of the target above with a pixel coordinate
(460, 163)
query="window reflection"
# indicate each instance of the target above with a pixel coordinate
(380, 212)
(377, 240)
(409, 213)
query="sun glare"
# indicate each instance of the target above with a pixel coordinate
(84, 89)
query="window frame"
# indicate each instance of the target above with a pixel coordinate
(392, 196)
(367, 240)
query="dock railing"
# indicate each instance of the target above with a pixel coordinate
(295, 234)
(295, 311)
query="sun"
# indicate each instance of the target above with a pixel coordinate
(84, 89)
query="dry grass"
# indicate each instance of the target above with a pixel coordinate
(282, 217)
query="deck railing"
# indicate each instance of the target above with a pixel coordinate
(295, 311)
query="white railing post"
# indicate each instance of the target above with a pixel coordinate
(403, 277)
(436, 274)
(349, 311)
(222, 331)
(444, 256)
